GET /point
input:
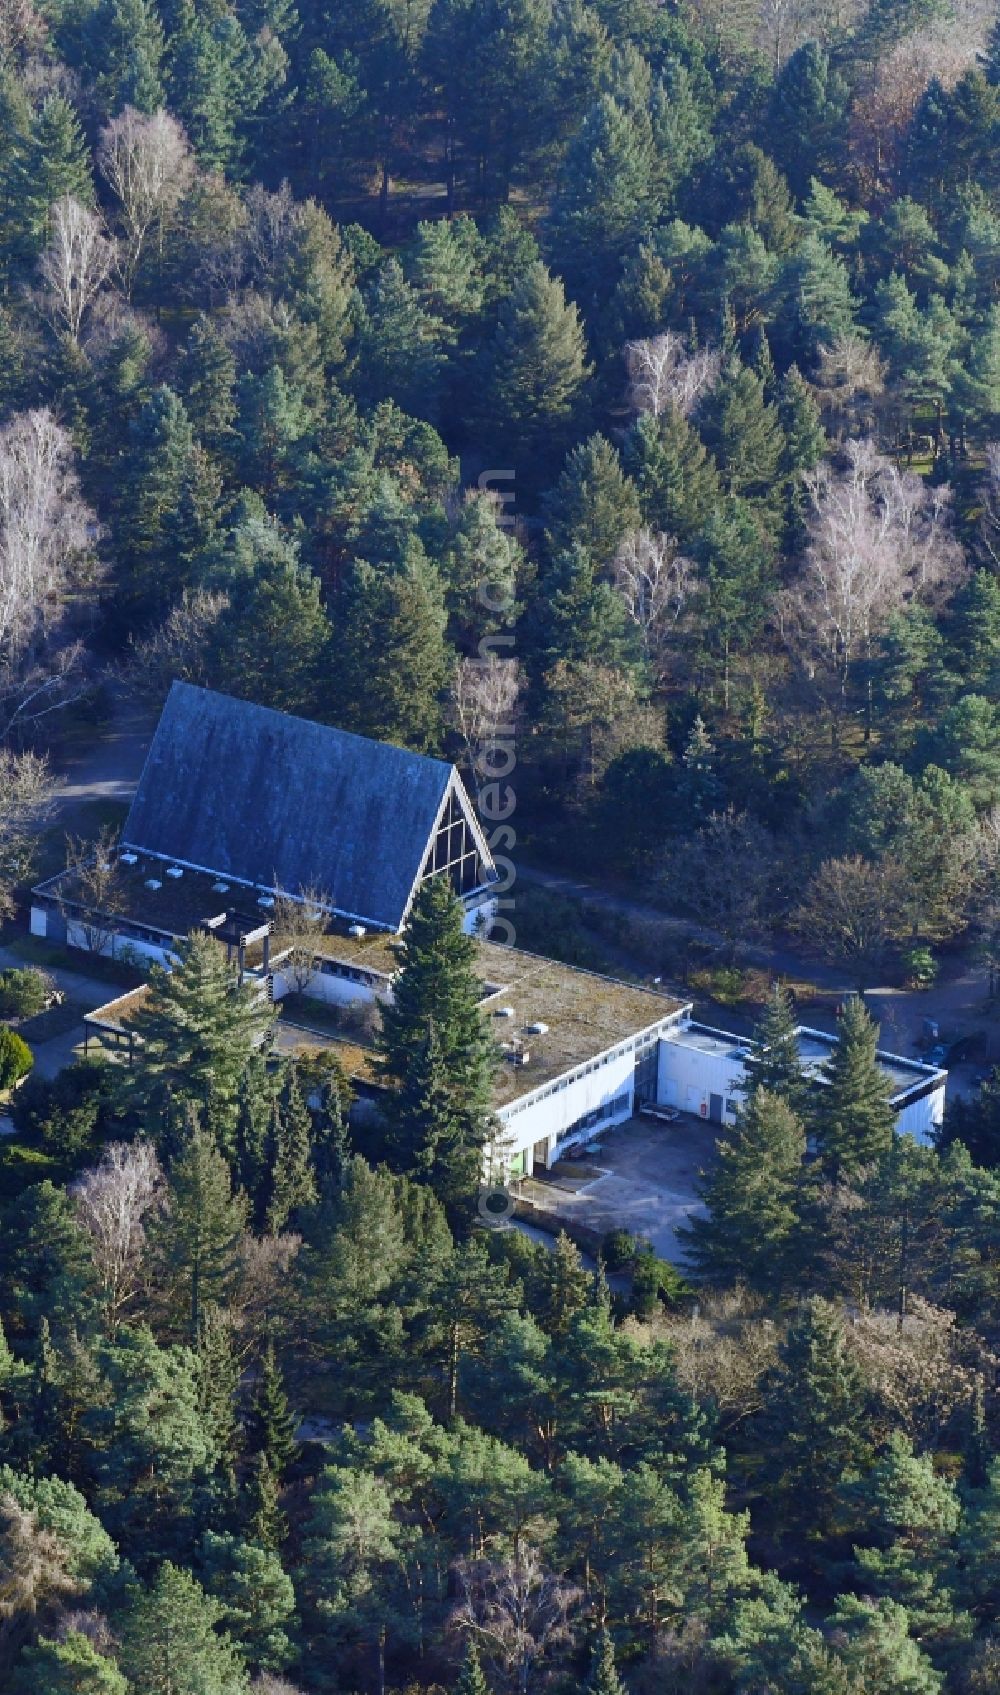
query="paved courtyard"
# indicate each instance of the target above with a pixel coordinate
(644, 1180)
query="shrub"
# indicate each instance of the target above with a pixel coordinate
(63, 1114)
(618, 1249)
(921, 967)
(23, 993)
(15, 1057)
(654, 1281)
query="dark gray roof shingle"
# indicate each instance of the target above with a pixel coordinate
(279, 801)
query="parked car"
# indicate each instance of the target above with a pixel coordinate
(662, 1114)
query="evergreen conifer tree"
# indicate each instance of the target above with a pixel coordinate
(471, 1680)
(534, 373)
(813, 1429)
(752, 1198)
(270, 1423)
(677, 480)
(392, 658)
(169, 1642)
(197, 1240)
(855, 1122)
(437, 989)
(604, 1679)
(592, 504)
(777, 1062)
(199, 1029)
(293, 1183)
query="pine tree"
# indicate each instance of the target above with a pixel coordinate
(777, 1062)
(605, 196)
(293, 1184)
(198, 1031)
(604, 1679)
(70, 1665)
(54, 161)
(752, 1198)
(855, 1122)
(198, 1239)
(470, 1679)
(437, 987)
(396, 662)
(912, 1515)
(813, 1429)
(593, 505)
(677, 480)
(743, 432)
(169, 1643)
(534, 373)
(207, 383)
(270, 1424)
(575, 617)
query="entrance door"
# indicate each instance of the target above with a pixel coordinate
(715, 1108)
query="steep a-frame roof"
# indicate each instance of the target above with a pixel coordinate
(270, 800)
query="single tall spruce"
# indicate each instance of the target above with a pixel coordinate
(199, 1236)
(293, 1184)
(855, 1121)
(604, 1679)
(197, 1032)
(433, 1030)
(270, 1424)
(470, 1679)
(752, 1197)
(777, 1061)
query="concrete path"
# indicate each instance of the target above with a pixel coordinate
(109, 769)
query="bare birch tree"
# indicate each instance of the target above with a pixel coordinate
(664, 374)
(177, 649)
(75, 265)
(879, 538)
(850, 379)
(148, 165)
(482, 708)
(298, 922)
(656, 582)
(26, 790)
(517, 1612)
(112, 1200)
(92, 898)
(46, 529)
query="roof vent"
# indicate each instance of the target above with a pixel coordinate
(128, 858)
(220, 888)
(174, 871)
(503, 1012)
(537, 1029)
(357, 930)
(266, 900)
(153, 883)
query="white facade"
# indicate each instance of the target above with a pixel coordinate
(700, 1080)
(577, 1106)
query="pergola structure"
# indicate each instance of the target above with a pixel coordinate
(237, 932)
